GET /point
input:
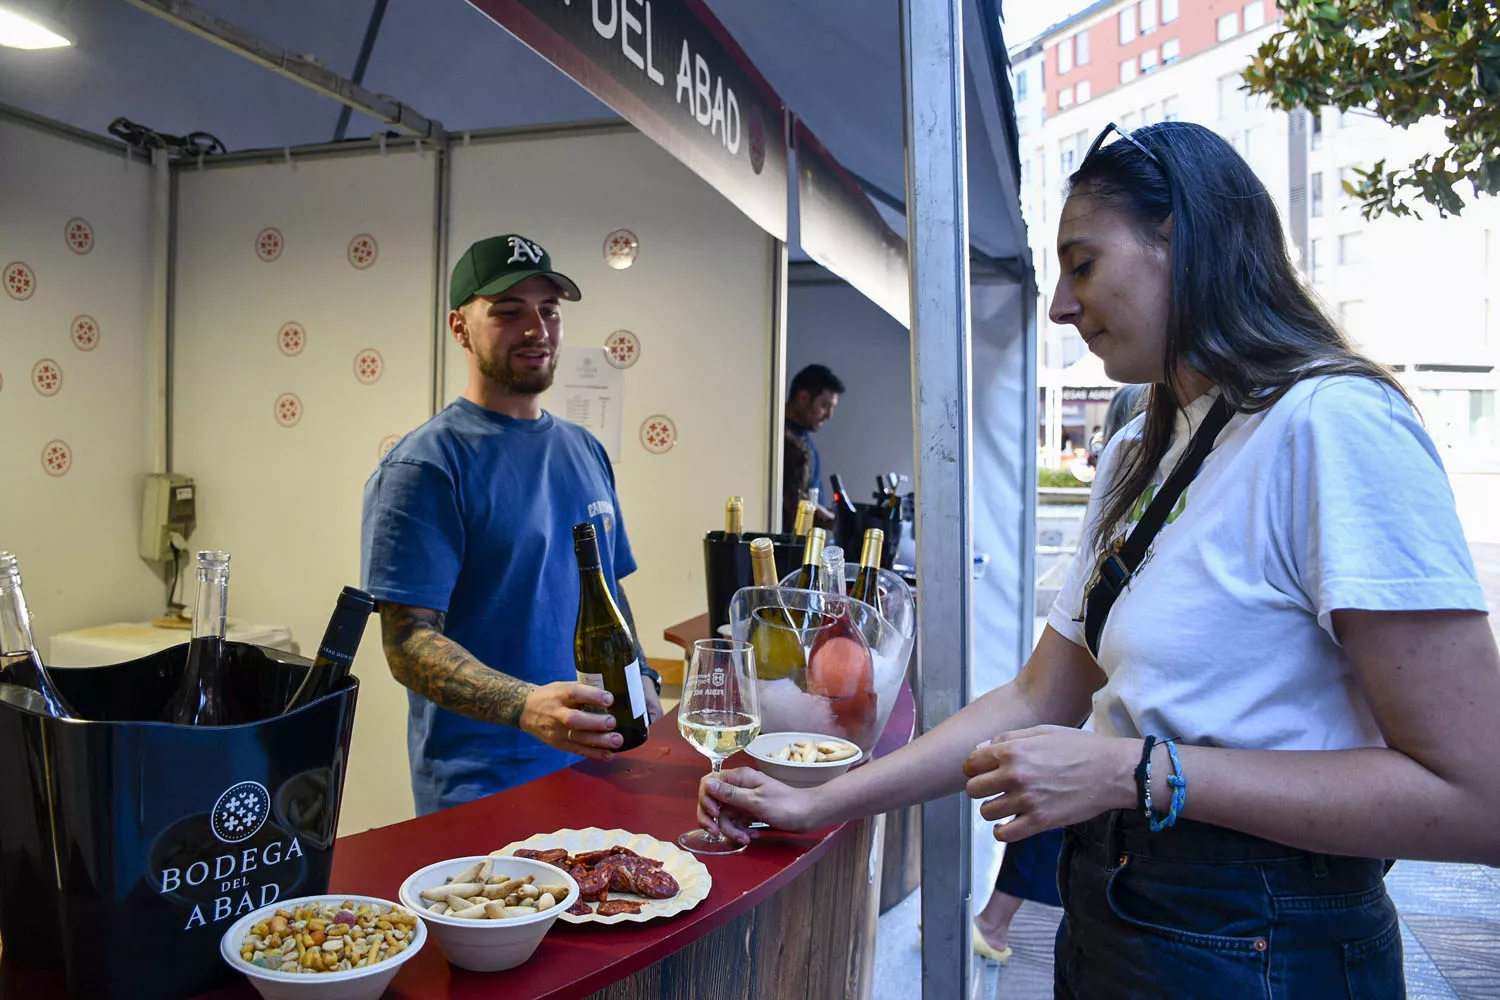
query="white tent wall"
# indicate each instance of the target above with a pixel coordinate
(75, 528)
(285, 500)
(698, 297)
(830, 323)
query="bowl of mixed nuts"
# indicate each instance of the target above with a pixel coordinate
(323, 947)
(489, 913)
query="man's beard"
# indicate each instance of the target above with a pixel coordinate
(524, 383)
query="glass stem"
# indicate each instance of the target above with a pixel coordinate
(715, 765)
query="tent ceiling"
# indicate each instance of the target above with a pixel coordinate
(835, 62)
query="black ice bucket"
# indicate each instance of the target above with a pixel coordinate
(726, 567)
(127, 848)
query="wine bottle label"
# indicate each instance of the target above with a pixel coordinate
(637, 693)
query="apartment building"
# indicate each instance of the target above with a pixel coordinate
(1422, 296)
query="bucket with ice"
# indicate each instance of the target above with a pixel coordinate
(827, 663)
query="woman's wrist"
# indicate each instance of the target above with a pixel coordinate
(1123, 787)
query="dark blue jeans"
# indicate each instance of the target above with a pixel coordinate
(1198, 912)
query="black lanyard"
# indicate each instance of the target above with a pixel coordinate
(1117, 567)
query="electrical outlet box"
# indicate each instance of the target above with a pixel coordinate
(168, 504)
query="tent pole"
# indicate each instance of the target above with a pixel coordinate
(292, 65)
(938, 240)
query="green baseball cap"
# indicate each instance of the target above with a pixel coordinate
(491, 266)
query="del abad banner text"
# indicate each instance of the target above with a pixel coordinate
(671, 70)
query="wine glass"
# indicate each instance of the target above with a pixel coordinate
(719, 715)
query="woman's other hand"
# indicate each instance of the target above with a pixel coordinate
(1050, 776)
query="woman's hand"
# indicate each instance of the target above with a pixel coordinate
(1050, 776)
(730, 800)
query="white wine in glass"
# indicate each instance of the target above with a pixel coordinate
(719, 715)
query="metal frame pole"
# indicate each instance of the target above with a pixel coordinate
(938, 241)
(779, 290)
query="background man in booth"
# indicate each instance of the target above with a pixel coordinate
(467, 544)
(810, 402)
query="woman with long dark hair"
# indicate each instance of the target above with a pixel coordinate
(1274, 627)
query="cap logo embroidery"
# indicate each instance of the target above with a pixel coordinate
(523, 251)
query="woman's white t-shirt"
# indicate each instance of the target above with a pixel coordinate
(1333, 498)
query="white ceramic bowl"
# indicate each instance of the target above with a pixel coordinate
(801, 775)
(487, 945)
(355, 984)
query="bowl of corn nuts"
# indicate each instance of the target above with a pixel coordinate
(489, 913)
(323, 947)
(803, 759)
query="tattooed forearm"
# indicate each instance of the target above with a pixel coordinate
(439, 669)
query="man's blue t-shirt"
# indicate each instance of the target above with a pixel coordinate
(815, 470)
(471, 514)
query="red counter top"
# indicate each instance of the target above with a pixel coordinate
(650, 790)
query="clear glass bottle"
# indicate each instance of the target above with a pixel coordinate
(24, 680)
(201, 698)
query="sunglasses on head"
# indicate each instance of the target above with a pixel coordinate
(1124, 133)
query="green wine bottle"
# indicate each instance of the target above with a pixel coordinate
(778, 650)
(867, 582)
(603, 648)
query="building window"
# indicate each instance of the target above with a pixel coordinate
(1229, 25)
(1255, 15)
(1148, 16)
(1316, 248)
(1230, 99)
(1083, 91)
(1349, 248)
(1168, 11)
(1127, 24)
(1170, 50)
(1127, 70)
(1169, 111)
(1315, 192)
(1149, 115)
(1021, 86)
(1128, 120)
(1081, 48)
(1148, 61)
(1316, 114)
(1065, 97)
(1065, 56)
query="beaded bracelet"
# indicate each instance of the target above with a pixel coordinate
(1179, 792)
(1143, 778)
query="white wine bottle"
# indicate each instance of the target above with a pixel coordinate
(810, 576)
(734, 519)
(778, 650)
(867, 582)
(603, 647)
(806, 511)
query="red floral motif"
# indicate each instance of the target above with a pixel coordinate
(20, 280)
(80, 235)
(621, 248)
(57, 458)
(658, 434)
(387, 443)
(369, 366)
(362, 251)
(622, 349)
(85, 333)
(269, 244)
(46, 377)
(288, 409)
(291, 339)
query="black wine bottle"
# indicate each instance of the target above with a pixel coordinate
(603, 648)
(201, 698)
(810, 576)
(24, 680)
(336, 652)
(867, 581)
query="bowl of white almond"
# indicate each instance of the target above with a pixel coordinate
(803, 759)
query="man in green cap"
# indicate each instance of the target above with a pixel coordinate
(467, 545)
